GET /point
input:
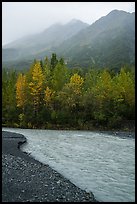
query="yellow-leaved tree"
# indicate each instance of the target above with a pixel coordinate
(124, 94)
(21, 85)
(36, 85)
(124, 88)
(48, 97)
(71, 94)
(76, 82)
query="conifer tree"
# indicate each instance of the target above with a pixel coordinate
(54, 61)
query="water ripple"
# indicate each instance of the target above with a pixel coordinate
(97, 162)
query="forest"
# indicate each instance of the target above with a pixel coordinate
(49, 95)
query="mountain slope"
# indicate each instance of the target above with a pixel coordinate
(45, 41)
(110, 41)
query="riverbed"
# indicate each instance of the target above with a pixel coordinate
(100, 162)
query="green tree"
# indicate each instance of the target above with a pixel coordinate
(60, 76)
(47, 72)
(102, 96)
(61, 61)
(124, 94)
(72, 92)
(53, 61)
(88, 101)
(9, 111)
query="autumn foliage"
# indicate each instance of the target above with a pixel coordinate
(21, 86)
(49, 94)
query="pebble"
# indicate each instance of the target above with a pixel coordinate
(33, 181)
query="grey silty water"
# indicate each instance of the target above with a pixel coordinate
(97, 162)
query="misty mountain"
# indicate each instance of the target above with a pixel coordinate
(108, 42)
(42, 42)
(9, 53)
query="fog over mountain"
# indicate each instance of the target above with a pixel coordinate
(21, 19)
(110, 41)
(44, 41)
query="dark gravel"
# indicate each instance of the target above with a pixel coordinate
(26, 180)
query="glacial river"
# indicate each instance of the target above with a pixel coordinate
(98, 162)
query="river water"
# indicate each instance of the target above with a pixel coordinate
(98, 162)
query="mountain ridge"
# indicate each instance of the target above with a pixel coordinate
(100, 44)
(46, 39)
(113, 29)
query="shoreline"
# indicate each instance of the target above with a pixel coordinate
(58, 127)
(26, 179)
(117, 133)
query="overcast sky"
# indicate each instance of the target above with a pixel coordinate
(24, 18)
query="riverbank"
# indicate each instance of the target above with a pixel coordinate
(123, 126)
(25, 179)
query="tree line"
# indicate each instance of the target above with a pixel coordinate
(51, 95)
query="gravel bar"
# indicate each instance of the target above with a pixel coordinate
(25, 179)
